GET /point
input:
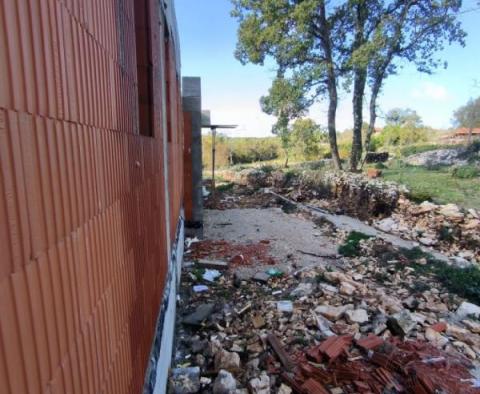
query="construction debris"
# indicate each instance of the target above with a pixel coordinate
(454, 231)
(376, 322)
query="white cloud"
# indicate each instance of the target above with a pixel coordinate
(430, 91)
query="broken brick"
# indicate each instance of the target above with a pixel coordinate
(334, 346)
(439, 327)
(370, 342)
(311, 386)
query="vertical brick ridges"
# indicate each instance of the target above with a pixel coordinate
(82, 198)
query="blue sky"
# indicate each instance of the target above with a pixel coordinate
(231, 91)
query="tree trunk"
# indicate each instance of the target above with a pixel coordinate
(373, 114)
(332, 130)
(360, 79)
(358, 94)
(379, 75)
(332, 87)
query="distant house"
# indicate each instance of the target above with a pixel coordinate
(461, 135)
(464, 132)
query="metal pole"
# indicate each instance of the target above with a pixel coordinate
(214, 132)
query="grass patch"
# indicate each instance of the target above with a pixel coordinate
(464, 282)
(435, 185)
(466, 172)
(351, 247)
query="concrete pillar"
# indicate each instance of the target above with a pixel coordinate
(192, 112)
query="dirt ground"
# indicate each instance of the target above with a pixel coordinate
(294, 240)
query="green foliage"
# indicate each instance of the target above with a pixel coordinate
(401, 135)
(224, 187)
(404, 117)
(318, 46)
(468, 115)
(305, 139)
(232, 151)
(471, 152)
(267, 168)
(420, 196)
(466, 172)
(438, 186)
(464, 282)
(351, 247)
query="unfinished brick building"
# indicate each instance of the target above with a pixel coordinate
(91, 186)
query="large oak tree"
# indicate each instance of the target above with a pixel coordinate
(320, 45)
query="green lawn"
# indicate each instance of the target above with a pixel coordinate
(439, 184)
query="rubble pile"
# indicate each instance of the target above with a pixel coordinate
(349, 193)
(454, 231)
(439, 157)
(238, 196)
(373, 365)
(372, 324)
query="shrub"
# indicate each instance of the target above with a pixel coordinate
(396, 135)
(267, 169)
(380, 166)
(464, 282)
(466, 172)
(471, 152)
(420, 196)
(351, 247)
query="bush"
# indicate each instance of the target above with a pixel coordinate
(464, 282)
(351, 247)
(396, 135)
(267, 169)
(471, 152)
(466, 172)
(380, 166)
(420, 196)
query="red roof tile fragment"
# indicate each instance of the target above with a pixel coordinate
(311, 386)
(292, 382)
(313, 372)
(370, 342)
(334, 346)
(439, 327)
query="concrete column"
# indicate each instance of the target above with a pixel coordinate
(192, 111)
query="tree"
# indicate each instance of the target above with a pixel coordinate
(318, 44)
(304, 38)
(412, 31)
(403, 117)
(305, 137)
(468, 116)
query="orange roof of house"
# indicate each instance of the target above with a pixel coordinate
(466, 131)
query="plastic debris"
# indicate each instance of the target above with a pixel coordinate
(200, 288)
(211, 275)
(285, 306)
(274, 272)
(190, 241)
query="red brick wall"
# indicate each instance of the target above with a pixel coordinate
(82, 199)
